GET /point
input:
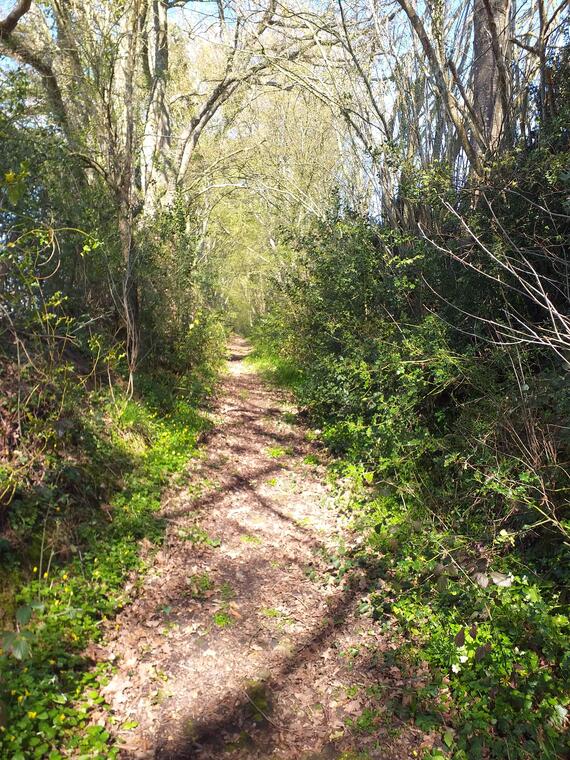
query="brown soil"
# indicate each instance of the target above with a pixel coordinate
(241, 642)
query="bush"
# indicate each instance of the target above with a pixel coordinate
(464, 444)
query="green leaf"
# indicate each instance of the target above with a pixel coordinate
(23, 615)
(14, 192)
(21, 648)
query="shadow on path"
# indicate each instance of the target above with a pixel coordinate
(240, 645)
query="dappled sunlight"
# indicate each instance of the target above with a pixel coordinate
(346, 537)
(237, 644)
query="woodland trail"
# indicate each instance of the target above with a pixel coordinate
(241, 643)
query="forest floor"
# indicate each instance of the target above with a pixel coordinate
(242, 642)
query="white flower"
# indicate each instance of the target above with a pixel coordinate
(456, 667)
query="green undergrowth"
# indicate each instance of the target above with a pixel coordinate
(74, 540)
(274, 368)
(493, 632)
(467, 572)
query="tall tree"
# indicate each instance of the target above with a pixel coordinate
(491, 78)
(106, 72)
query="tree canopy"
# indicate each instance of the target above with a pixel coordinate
(376, 194)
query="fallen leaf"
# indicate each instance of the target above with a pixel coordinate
(502, 580)
(481, 579)
(481, 651)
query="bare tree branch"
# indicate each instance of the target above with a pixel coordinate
(8, 24)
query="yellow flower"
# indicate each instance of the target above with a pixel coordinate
(62, 716)
(35, 570)
(21, 698)
(52, 662)
(65, 576)
(10, 176)
(46, 574)
(32, 714)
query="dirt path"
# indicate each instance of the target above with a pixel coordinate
(239, 644)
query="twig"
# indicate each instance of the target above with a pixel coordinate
(260, 711)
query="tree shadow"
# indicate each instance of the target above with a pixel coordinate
(233, 484)
(241, 715)
(244, 719)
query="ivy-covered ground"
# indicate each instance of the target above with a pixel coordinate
(263, 598)
(74, 541)
(467, 569)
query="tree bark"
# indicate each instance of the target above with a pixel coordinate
(8, 24)
(157, 134)
(490, 77)
(130, 297)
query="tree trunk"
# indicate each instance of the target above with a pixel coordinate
(130, 297)
(490, 77)
(157, 134)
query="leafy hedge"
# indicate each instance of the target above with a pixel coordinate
(457, 447)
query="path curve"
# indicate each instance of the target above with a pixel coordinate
(241, 643)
